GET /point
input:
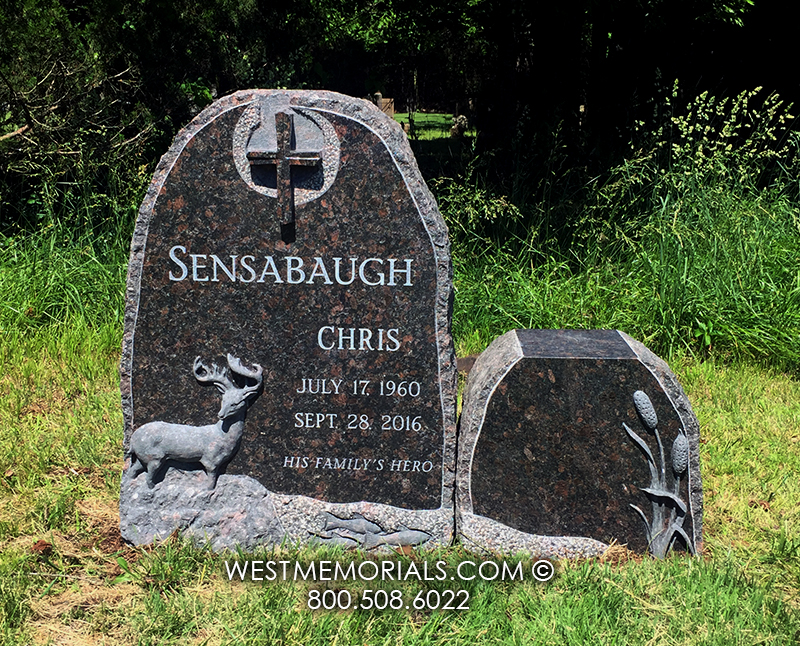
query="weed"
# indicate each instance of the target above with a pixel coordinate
(697, 265)
(14, 596)
(169, 569)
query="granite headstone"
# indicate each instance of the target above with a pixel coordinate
(572, 439)
(289, 254)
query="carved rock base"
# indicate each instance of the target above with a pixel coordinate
(239, 511)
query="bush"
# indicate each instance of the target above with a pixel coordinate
(689, 245)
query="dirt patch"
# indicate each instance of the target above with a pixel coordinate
(617, 555)
(69, 616)
(56, 634)
(42, 406)
(101, 517)
(83, 594)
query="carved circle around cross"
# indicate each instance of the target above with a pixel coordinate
(312, 135)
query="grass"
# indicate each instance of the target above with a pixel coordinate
(590, 603)
(726, 284)
(691, 245)
(62, 275)
(707, 278)
(65, 577)
(430, 125)
(60, 426)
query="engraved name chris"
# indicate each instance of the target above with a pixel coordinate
(294, 270)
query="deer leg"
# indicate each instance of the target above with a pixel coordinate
(211, 475)
(212, 480)
(153, 468)
(135, 468)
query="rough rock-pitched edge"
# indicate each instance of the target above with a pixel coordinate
(138, 244)
(397, 144)
(669, 382)
(490, 368)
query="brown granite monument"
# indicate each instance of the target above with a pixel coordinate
(289, 254)
(572, 439)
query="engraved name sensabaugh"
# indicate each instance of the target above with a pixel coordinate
(292, 229)
(292, 270)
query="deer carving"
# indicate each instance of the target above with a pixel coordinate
(212, 445)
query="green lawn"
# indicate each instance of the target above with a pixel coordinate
(692, 253)
(430, 125)
(66, 578)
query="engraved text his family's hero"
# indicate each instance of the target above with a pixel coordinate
(292, 230)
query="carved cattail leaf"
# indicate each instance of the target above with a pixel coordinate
(680, 454)
(645, 409)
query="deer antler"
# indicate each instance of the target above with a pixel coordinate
(237, 367)
(154, 444)
(215, 375)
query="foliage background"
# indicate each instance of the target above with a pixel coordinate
(92, 91)
(591, 190)
(621, 170)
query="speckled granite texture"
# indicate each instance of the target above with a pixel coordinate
(543, 450)
(241, 512)
(365, 525)
(238, 512)
(487, 536)
(347, 307)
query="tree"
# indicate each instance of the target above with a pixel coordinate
(587, 66)
(67, 122)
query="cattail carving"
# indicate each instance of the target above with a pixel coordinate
(646, 410)
(680, 454)
(669, 511)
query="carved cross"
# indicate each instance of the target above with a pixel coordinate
(284, 158)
